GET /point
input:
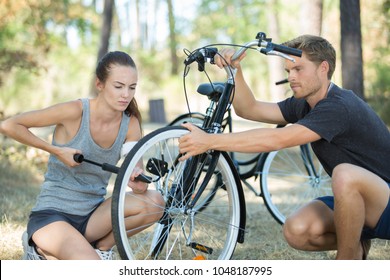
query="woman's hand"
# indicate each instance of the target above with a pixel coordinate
(137, 186)
(66, 154)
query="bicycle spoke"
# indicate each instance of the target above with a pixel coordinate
(288, 181)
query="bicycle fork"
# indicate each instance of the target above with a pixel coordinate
(181, 202)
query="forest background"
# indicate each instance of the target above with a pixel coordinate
(49, 50)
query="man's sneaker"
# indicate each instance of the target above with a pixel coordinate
(105, 255)
(29, 251)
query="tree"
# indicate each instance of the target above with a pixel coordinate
(311, 17)
(28, 29)
(275, 64)
(104, 36)
(172, 39)
(31, 33)
(351, 47)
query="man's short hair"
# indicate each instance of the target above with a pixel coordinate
(316, 49)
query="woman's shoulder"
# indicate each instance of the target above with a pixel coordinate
(134, 131)
(69, 109)
(71, 105)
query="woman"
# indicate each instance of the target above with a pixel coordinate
(72, 219)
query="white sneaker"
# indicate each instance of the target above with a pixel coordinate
(105, 255)
(29, 251)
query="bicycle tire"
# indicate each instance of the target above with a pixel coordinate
(286, 183)
(194, 118)
(208, 231)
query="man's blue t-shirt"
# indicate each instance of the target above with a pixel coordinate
(351, 131)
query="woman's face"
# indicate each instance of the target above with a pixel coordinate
(119, 88)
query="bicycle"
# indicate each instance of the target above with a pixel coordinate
(292, 174)
(204, 215)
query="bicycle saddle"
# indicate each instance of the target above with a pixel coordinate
(212, 90)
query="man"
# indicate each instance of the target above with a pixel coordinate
(351, 141)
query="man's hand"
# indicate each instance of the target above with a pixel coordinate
(224, 58)
(194, 143)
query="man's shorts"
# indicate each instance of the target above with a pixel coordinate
(39, 219)
(382, 229)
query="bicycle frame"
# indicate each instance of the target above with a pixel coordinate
(220, 104)
(215, 114)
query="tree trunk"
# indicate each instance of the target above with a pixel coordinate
(138, 28)
(172, 38)
(311, 17)
(104, 36)
(351, 47)
(275, 64)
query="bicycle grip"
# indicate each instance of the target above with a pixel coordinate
(286, 50)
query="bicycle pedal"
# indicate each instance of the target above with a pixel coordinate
(201, 248)
(199, 258)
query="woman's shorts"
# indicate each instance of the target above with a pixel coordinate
(39, 219)
(381, 230)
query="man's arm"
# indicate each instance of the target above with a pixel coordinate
(244, 103)
(246, 106)
(255, 140)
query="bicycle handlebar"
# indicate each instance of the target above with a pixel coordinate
(286, 50)
(201, 56)
(206, 54)
(267, 47)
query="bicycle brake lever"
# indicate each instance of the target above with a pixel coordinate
(272, 52)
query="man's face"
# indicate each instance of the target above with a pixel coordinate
(303, 76)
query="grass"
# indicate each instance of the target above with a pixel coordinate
(20, 179)
(19, 186)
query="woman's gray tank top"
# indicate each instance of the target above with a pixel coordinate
(79, 190)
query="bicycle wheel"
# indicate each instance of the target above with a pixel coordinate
(245, 163)
(209, 230)
(194, 118)
(290, 178)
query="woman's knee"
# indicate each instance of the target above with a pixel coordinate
(151, 203)
(157, 198)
